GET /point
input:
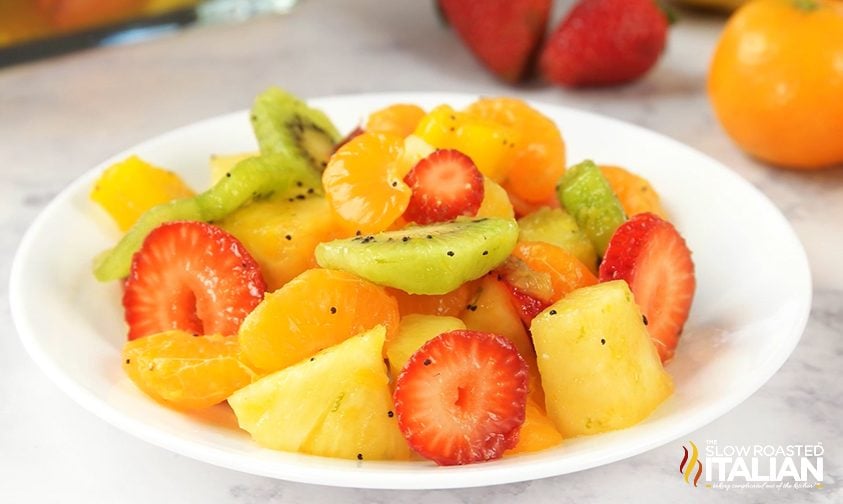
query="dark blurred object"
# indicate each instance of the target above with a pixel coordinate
(503, 34)
(719, 5)
(63, 15)
(31, 29)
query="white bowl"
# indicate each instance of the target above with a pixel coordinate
(752, 302)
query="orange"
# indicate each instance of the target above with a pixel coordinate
(185, 371)
(450, 304)
(565, 271)
(634, 192)
(364, 183)
(539, 157)
(313, 311)
(399, 119)
(776, 81)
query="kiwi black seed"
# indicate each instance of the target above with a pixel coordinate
(432, 259)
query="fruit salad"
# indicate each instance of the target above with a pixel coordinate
(438, 284)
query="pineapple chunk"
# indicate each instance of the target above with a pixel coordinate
(492, 311)
(415, 149)
(281, 234)
(131, 187)
(336, 403)
(413, 332)
(599, 368)
(487, 143)
(495, 202)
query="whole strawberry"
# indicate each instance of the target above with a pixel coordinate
(605, 42)
(502, 34)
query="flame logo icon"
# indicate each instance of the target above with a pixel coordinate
(688, 464)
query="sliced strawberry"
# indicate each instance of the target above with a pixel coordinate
(191, 276)
(528, 306)
(461, 398)
(445, 184)
(652, 257)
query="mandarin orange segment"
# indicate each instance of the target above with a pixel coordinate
(399, 119)
(539, 158)
(557, 227)
(567, 273)
(451, 304)
(315, 310)
(537, 431)
(633, 191)
(364, 183)
(184, 371)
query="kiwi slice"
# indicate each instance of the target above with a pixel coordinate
(587, 196)
(250, 179)
(257, 178)
(558, 227)
(284, 124)
(432, 259)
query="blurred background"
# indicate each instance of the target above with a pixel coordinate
(32, 29)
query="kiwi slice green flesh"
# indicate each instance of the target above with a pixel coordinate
(558, 227)
(258, 178)
(586, 194)
(284, 124)
(114, 264)
(432, 259)
(250, 179)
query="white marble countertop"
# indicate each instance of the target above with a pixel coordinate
(60, 117)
